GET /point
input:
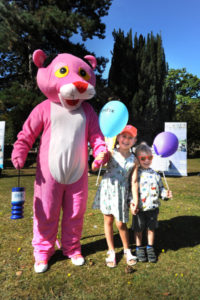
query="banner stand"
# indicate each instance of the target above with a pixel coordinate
(2, 136)
(178, 161)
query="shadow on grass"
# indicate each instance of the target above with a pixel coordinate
(189, 174)
(90, 248)
(101, 245)
(176, 233)
(173, 234)
(16, 175)
(58, 256)
(194, 174)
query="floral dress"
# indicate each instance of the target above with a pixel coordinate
(112, 194)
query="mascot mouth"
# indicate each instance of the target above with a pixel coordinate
(72, 102)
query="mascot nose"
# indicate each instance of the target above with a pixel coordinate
(81, 86)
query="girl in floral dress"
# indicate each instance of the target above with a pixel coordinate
(112, 195)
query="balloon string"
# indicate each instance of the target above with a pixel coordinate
(97, 182)
(18, 178)
(165, 180)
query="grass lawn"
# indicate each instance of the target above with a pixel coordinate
(176, 275)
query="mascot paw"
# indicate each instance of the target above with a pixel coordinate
(78, 260)
(18, 163)
(41, 266)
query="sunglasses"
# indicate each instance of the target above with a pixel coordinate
(143, 158)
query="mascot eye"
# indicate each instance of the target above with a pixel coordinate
(62, 72)
(83, 74)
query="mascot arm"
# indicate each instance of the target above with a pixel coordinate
(95, 135)
(25, 139)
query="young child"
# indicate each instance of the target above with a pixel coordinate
(150, 190)
(112, 195)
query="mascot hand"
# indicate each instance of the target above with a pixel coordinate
(18, 162)
(101, 159)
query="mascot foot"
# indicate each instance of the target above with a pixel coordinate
(78, 260)
(41, 266)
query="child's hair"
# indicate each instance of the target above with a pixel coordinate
(142, 147)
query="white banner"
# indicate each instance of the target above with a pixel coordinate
(159, 164)
(2, 134)
(178, 161)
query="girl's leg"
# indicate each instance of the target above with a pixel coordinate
(108, 229)
(123, 231)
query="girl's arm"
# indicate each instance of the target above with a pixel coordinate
(134, 190)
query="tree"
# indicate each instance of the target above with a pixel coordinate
(121, 73)
(138, 76)
(187, 89)
(46, 24)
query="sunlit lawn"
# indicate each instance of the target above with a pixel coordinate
(176, 275)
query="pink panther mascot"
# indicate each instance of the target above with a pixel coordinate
(67, 124)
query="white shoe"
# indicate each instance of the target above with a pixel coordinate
(111, 259)
(41, 266)
(131, 260)
(78, 260)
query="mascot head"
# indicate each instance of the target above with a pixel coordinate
(67, 79)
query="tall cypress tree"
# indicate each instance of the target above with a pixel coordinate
(121, 73)
(149, 99)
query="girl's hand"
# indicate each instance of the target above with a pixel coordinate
(169, 194)
(100, 156)
(100, 159)
(134, 208)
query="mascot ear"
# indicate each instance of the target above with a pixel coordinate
(92, 60)
(39, 57)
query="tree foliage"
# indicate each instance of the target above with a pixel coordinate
(187, 89)
(41, 24)
(138, 77)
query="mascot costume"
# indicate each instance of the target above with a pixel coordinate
(67, 124)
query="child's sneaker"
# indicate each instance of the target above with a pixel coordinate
(151, 255)
(41, 266)
(78, 260)
(141, 254)
(131, 260)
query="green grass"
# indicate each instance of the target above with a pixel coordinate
(175, 275)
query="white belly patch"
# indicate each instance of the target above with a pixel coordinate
(67, 157)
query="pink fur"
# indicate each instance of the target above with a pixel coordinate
(61, 176)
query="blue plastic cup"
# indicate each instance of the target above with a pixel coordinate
(17, 202)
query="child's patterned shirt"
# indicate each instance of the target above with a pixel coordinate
(150, 189)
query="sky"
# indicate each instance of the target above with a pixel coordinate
(178, 22)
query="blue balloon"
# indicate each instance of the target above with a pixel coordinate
(113, 118)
